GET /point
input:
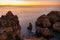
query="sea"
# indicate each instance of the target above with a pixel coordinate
(28, 14)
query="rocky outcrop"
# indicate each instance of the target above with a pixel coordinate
(42, 25)
(45, 23)
(9, 27)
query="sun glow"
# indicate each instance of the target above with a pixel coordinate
(22, 3)
(17, 3)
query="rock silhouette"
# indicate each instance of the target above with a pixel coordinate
(9, 27)
(30, 27)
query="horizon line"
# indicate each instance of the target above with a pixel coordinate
(28, 5)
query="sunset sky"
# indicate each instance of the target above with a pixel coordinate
(29, 2)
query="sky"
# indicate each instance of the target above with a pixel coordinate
(29, 2)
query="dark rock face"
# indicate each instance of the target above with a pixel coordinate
(9, 25)
(46, 22)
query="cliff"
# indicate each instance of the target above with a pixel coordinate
(9, 27)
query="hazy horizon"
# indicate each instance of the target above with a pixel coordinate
(28, 2)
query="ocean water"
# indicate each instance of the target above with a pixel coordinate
(28, 14)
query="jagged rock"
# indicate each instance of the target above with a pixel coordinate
(56, 26)
(9, 14)
(9, 24)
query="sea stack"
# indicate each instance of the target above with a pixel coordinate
(29, 27)
(46, 23)
(9, 27)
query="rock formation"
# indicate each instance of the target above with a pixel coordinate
(42, 25)
(29, 27)
(9, 27)
(45, 23)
